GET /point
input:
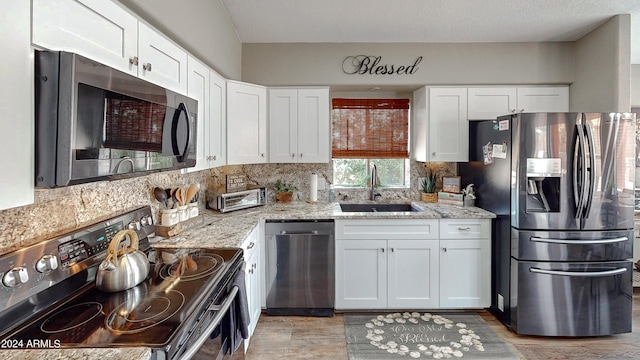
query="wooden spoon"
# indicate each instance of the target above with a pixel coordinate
(192, 190)
(178, 195)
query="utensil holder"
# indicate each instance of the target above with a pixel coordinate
(169, 217)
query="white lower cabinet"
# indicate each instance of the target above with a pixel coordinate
(253, 280)
(386, 264)
(413, 264)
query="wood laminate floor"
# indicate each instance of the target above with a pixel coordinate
(291, 337)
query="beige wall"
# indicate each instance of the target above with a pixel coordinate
(202, 27)
(442, 64)
(603, 62)
(635, 85)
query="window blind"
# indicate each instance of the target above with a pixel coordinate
(370, 128)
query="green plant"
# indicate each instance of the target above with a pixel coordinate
(281, 186)
(429, 183)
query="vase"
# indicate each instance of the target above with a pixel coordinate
(284, 197)
(429, 197)
(469, 202)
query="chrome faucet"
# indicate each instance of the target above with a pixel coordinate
(374, 182)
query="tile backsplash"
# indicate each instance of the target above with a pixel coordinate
(61, 210)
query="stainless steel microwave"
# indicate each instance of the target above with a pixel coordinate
(94, 122)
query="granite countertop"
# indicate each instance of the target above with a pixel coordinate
(231, 229)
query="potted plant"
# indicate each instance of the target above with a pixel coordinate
(284, 192)
(469, 196)
(429, 187)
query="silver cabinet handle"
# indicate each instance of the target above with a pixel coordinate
(215, 157)
(433, 153)
(312, 232)
(464, 229)
(251, 245)
(293, 155)
(262, 155)
(579, 242)
(393, 250)
(444, 249)
(382, 249)
(300, 154)
(146, 66)
(580, 273)
(133, 60)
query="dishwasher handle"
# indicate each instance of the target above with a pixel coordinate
(312, 232)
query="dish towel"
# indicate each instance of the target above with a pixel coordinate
(239, 313)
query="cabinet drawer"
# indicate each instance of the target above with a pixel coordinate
(465, 229)
(387, 229)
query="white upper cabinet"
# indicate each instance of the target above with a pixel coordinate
(210, 89)
(491, 102)
(246, 123)
(16, 103)
(543, 99)
(216, 127)
(441, 129)
(107, 33)
(198, 80)
(160, 60)
(299, 125)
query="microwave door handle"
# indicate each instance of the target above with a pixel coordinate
(174, 132)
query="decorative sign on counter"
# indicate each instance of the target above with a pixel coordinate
(236, 182)
(451, 184)
(370, 65)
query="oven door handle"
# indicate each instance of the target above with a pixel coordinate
(580, 273)
(221, 310)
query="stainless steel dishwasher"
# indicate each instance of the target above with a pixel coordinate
(300, 267)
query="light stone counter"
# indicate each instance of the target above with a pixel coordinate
(138, 353)
(231, 229)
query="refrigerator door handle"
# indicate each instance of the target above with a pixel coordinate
(579, 171)
(592, 170)
(579, 242)
(580, 273)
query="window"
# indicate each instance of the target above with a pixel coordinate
(367, 132)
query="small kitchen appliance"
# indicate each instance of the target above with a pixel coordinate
(237, 200)
(48, 293)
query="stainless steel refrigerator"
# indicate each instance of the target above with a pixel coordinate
(561, 185)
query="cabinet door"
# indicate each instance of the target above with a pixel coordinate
(160, 60)
(412, 274)
(313, 135)
(246, 123)
(448, 131)
(361, 274)
(465, 273)
(16, 102)
(283, 125)
(543, 99)
(491, 102)
(97, 29)
(199, 89)
(217, 125)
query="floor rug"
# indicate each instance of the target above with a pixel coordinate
(389, 336)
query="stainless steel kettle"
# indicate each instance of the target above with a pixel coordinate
(124, 267)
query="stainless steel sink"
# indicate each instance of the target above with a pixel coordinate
(376, 207)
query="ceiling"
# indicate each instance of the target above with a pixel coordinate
(443, 21)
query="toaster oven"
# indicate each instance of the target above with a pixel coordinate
(230, 201)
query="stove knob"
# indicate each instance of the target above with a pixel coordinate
(15, 277)
(46, 263)
(134, 225)
(146, 220)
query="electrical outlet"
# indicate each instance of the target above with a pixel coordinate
(500, 303)
(421, 181)
(322, 183)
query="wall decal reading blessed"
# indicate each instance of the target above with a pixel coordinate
(366, 64)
